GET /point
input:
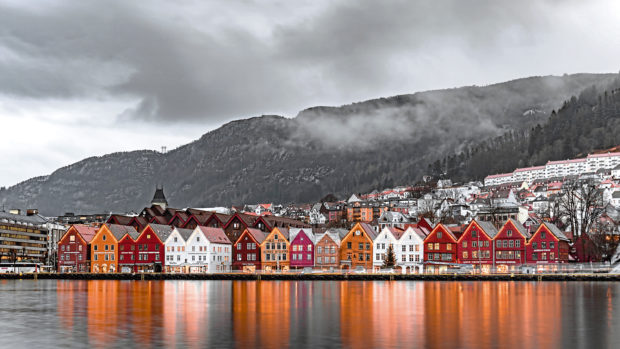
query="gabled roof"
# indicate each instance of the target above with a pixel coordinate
(182, 216)
(293, 232)
(159, 220)
(86, 232)
(120, 230)
(555, 231)
(133, 235)
(520, 228)
(247, 220)
(369, 230)
(256, 234)
(119, 219)
(162, 231)
(444, 229)
(488, 228)
(214, 235)
(335, 234)
(283, 231)
(185, 233)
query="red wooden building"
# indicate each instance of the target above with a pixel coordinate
(510, 246)
(127, 255)
(548, 245)
(246, 250)
(475, 246)
(150, 249)
(440, 248)
(74, 249)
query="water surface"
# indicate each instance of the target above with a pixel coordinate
(246, 314)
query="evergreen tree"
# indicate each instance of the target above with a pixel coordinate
(390, 258)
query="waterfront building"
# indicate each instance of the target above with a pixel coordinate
(150, 248)
(510, 243)
(247, 250)
(327, 249)
(356, 247)
(440, 249)
(103, 247)
(208, 250)
(409, 250)
(475, 246)
(275, 250)
(176, 254)
(548, 245)
(127, 252)
(74, 249)
(302, 248)
(237, 223)
(381, 244)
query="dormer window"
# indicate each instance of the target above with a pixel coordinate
(509, 233)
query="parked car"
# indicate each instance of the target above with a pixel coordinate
(359, 270)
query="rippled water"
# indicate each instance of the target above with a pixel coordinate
(241, 314)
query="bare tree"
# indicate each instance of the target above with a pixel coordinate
(580, 206)
(604, 238)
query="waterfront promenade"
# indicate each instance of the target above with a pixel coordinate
(319, 277)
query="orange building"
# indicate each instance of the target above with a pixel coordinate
(274, 250)
(104, 247)
(356, 247)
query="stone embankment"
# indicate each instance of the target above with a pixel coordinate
(318, 277)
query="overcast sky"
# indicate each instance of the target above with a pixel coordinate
(84, 78)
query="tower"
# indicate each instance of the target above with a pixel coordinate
(159, 198)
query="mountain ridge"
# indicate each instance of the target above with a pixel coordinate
(351, 148)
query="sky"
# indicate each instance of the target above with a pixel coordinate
(87, 78)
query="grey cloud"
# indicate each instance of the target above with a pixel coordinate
(216, 70)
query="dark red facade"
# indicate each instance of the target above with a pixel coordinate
(510, 246)
(475, 246)
(246, 250)
(440, 246)
(74, 249)
(149, 251)
(547, 246)
(127, 255)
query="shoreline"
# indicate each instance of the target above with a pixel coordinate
(315, 277)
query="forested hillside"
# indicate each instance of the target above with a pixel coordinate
(583, 124)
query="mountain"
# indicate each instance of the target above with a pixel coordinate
(353, 148)
(583, 125)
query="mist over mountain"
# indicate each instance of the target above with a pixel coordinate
(353, 148)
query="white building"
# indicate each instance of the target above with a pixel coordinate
(176, 254)
(208, 250)
(409, 250)
(498, 179)
(386, 237)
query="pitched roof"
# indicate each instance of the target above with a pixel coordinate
(159, 220)
(293, 232)
(86, 232)
(284, 232)
(488, 228)
(120, 230)
(520, 228)
(368, 229)
(257, 234)
(119, 219)
(162, 231)
(555, 231)
(214, 235)
(185, 233)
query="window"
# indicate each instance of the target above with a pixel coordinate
(474, 233)
(367, 246)
(333, 259)
(239, 256)
(104, 236)
(543, 244)
(534, 256)
(436, 246)
(361, 246)
(474, 254)
(111, 257)
(506, 243)
(517, 243)
(544, 256)
(543, 235)
(112, 247)
(511, 243)
(465, 255)
(509, 233)
(464, 244)
(367, 256)
(319, 260)
(308, 257)
(449, 247)
(378, 256)
(175, 239)
(348, 245)
(551, 256)
(417, 258)
(439, 234)
(534, 245)
(474, 244)
(96, 257)
(105, 257)
(486, 243)
(498, 243)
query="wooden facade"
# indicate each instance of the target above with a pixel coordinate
(356, 247)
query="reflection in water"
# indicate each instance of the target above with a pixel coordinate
(199, 314)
